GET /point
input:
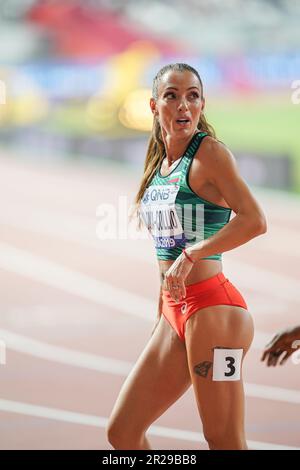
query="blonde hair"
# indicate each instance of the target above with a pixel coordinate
(156, 147)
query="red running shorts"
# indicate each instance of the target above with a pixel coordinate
(216, 290)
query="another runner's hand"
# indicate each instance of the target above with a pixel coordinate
(176, 275)
(282, 343)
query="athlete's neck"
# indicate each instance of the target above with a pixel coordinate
(175, 147)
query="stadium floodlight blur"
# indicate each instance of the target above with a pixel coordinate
(78, 75)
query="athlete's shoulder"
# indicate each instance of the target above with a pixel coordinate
(211, 144)
(213, 152)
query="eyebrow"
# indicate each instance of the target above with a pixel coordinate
(174, 88)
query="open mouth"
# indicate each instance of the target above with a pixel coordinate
(183, 121)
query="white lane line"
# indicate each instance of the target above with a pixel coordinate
(75, 228)
(80, 229)
(56, 414)
(52, 274)
(25, 345)
(272, 393)
(62, 355)
(271, 284)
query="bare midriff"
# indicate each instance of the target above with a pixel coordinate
(202, 269)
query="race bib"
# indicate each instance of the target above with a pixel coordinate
(227, 364)
(160, 216)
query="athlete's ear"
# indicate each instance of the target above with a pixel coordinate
(153, 106)
(203, 104)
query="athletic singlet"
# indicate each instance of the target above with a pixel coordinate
(174, 214)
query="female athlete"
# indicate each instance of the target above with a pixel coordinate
(191, 185)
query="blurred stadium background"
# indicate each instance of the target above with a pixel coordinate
(75, 83)
(78, 76)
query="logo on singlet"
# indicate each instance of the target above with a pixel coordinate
(160, 215)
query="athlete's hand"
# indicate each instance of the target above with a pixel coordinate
(176, 275)
(283, 342)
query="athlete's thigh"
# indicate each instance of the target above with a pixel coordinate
(159, 377)
(220, 402)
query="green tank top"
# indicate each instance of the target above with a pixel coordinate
(175, 216)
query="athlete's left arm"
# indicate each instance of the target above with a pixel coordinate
(222, 171)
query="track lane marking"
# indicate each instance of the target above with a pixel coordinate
(57, 414)
(107, 365)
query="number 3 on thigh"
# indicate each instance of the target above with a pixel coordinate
(227, 364)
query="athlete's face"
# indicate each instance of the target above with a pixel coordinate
(179, 97)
